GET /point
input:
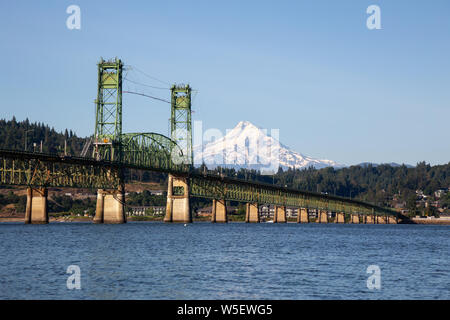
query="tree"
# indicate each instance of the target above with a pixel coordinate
(411, 205)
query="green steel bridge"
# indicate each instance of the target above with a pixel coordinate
(113, 151)
(50, 170)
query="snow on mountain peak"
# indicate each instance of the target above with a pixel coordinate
(249, 146)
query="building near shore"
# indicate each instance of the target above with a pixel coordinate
(146, 211)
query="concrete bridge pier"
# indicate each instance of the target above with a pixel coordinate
(381, 219)
(36, 211)
(392, 220)
(340, 217)
(110, 206)
(322, 217)
(252, 213)
(369, 219)
(302, 216)
(219, 211)
(355, 218)
(279, 216)
(178, 206)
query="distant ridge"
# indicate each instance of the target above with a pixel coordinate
(392, 164)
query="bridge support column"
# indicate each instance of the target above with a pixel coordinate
(340, 217)
(279, 216)
(178, 207)
(369, 219)
(302, 216)
(381, 220)
(28, 207)
(392, 220)
(36, 211)
(169, 203)
(322, 217)
(98, 218)
(355, 218)
(110, 206)
(219, 211)
(252, 212)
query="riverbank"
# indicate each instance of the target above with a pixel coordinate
(432, 220)
(51, 219)
(426, 221)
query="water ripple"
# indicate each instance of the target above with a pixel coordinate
(215, 261)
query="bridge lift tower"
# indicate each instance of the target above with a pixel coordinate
(139, 148)
(178, 207)
(108, 115)
(180, 122)
(108, 138)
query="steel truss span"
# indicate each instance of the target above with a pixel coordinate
(245, 191)
(151, 150)
(48, 170)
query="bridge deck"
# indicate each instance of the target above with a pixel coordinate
(52, 170)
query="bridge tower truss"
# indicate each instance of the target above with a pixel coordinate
(108, 116)
(180, 122)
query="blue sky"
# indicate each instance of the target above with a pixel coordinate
(312, 69)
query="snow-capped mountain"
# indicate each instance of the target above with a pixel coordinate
(247, 146)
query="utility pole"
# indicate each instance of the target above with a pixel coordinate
(26, 131)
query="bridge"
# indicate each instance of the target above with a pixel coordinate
(114, 151)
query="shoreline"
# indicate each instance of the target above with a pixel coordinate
(433, 221)
(416, 221)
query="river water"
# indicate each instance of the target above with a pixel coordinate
(150, 260)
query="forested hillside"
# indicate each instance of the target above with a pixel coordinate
(23, 135)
